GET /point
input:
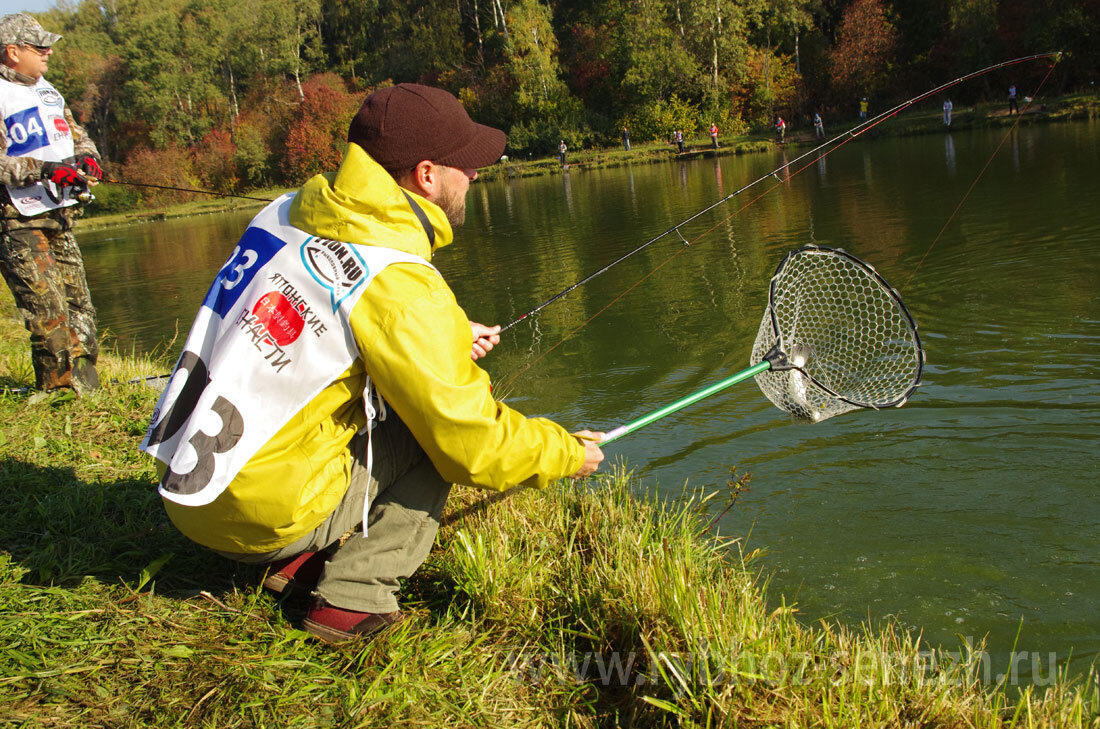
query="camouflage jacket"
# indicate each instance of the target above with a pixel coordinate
(19, 171)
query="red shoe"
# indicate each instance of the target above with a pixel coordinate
(298, 573)
(336, 625)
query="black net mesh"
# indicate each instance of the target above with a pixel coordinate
(844, 331)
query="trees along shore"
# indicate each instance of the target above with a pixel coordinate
(198, 94)
(1064, 108)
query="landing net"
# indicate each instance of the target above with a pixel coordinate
(838, 337)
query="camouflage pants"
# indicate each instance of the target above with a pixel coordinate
(45, 272)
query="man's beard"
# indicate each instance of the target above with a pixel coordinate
(453, 204)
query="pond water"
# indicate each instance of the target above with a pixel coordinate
(970, 513)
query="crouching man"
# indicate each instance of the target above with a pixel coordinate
(328, 383)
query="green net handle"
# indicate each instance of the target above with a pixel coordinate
(685, 401)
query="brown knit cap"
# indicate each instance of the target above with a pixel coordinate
(402, 125)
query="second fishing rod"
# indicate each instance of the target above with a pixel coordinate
(186, 189)
(823, 149)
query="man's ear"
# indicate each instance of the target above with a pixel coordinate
(424, 179)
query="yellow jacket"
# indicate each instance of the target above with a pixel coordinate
(414, 342)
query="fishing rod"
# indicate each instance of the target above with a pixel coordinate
(185, 189)
(834, 142)
(153, 381)
(835, 337)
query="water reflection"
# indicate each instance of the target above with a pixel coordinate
(147, 281)
(632, 192)
(509, 207)
(567, 186)
(783, 167)
(949, 151)
(483, 195)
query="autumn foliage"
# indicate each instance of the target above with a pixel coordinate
(255, 93)
(866, 40)
(168, 167)
(214, 162)
(318, 135)
(780, 93)
(287, 143)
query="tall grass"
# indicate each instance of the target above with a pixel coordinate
(586, 605)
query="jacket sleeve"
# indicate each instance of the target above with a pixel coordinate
(418, 355)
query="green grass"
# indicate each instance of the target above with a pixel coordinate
(586, 605)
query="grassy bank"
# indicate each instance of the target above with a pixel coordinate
(202, 205)
(586, 605)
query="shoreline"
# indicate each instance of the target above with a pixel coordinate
(587, 604)
(987, 115)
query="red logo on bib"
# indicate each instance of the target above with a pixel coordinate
(61, 125)
(275, 312)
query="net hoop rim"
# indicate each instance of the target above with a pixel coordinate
(890, 291)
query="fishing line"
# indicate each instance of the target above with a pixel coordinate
(186, 189)
(1019, 116)
(687, 243)
(838, 141)
(846, 136)
(835, 337)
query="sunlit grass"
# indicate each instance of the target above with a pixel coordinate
(585, 605)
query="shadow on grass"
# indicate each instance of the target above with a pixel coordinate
(62, 529)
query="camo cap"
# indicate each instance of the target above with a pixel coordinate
(21, 29)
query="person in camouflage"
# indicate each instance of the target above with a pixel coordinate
(47, 164)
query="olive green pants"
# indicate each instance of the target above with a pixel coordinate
(407, 496)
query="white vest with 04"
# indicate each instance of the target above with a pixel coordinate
(34, 119)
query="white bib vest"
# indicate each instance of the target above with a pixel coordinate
(34, 118)
(273, 331)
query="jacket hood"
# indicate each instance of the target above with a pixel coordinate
(362, 203)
